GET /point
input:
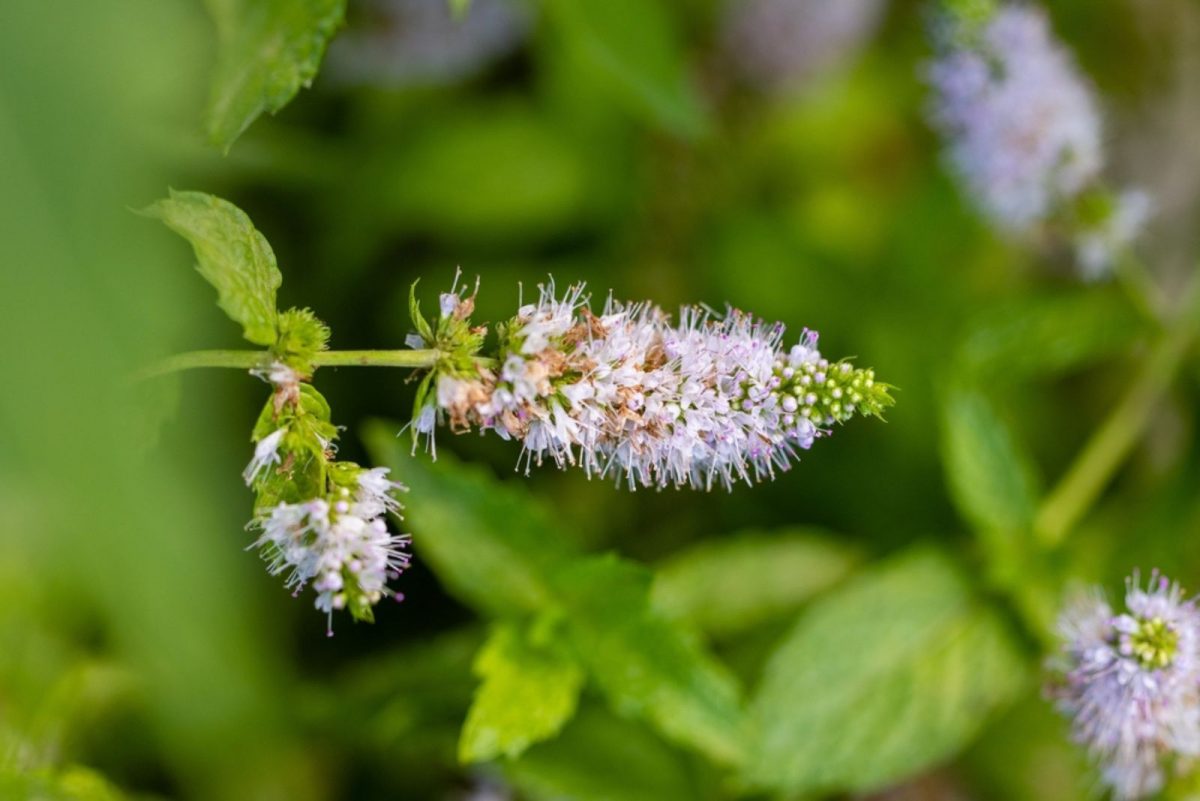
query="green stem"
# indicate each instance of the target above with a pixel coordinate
(1110, 444)
(415, 359)
(250, 359)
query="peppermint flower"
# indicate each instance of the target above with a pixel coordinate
(285, 381)
(342, 547)
(709, 401)
(1023, 128)
(320, 521)
(1131, 682)
(266, 454)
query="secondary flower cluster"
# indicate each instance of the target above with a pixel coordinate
(709, 400)
(1025, 135)
(320, 521)
(1131, 682)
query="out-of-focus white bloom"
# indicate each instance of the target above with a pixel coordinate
(1023, 128)
(344, 548)
(266, 454)
(1097, 247)
(420, 43)
(627, 394)
(1132, 682)
(783, 44)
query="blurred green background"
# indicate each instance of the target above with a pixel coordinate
(139, 642)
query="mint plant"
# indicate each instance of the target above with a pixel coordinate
(624, 394)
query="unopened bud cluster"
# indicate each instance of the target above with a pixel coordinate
(1024, 133)
(1130, 682)
(628, 394)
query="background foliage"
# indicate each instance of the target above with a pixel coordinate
(872, 622)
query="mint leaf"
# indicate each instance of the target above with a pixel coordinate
(646, 666)
(1046, 335)
(579, 764)
(880, 679)
(267, 50)
(528, 693)
(231, 255)
(731, 584)
(496, 550)
(991, 478)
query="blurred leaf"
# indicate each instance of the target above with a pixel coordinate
(496, 550)
(459, 8)
(728, 585)
(267, 50)
(1046, 335)
(528, 693)
(491, 545)
(645, 665)
(231, 255)
(633, 46)
(599, 757)
(72, 784)
(880, 679)
(990, 477)
(385, 702)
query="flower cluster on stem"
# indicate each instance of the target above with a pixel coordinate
(320, 521)
(1130, 682)
(1024, 133)
(706, 401)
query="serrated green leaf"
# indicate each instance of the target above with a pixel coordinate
(882, 678)
(527, 695)
(646, 666)
(731, 584)
(642, 63)
(491, 545)
(267, 50)
(579, 764)
(1047, 335)
(991, 478)
(231, 255)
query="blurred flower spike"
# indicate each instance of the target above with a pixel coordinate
(1130, 682)
(627, 394)
(1024, 134)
